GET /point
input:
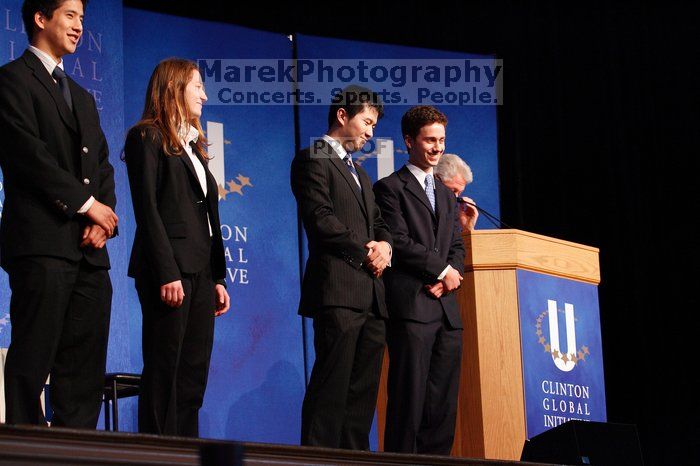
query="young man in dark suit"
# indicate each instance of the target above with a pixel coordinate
(58, 215)
(349, 247)
(424, 332)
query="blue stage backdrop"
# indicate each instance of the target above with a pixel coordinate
(256, 381)
(97, 65)
(562, 353)
(471, 129)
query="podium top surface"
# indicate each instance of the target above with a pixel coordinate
(517, 249)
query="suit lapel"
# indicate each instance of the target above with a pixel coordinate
(441, 205)
(415, 188)
(212, 196)
(345, 172)
(47, 81)
(212, 187)
(366, 184)
(190, 167)
(80, 104)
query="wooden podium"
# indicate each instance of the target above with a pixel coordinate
(491, 416)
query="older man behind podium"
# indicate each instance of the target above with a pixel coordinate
(456, 175)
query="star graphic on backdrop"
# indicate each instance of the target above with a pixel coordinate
(360, 159)
(244, 180)
(548, 348)
(585, 350)
(538, 332)
(541, 340)
(222, 192)
(581, 356)
(235, 187)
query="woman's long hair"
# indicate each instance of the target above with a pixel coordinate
(165, 107)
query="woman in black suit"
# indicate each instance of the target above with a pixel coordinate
(177, 259)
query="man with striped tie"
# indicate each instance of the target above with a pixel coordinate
(424, 332)
(342, 290)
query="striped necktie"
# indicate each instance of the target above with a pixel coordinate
(430, 190)
(351, 167)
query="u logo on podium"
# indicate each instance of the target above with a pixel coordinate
(564, 361)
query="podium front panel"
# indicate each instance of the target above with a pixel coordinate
(562, 356)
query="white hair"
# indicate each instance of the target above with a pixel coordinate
(451, 165)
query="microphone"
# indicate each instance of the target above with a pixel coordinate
(490, 217)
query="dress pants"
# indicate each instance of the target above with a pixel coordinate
(424, 366)
(59, 312)
(177, 344)
(341, 397)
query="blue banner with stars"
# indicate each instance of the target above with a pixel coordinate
(562, 354)
(256, 380)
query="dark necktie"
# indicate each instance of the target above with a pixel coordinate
(351, 167)
(60, 76)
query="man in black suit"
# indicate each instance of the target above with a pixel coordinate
(424, 332)
(342, 290)
(58, 215)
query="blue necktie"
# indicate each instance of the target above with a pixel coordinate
(348, 162)
(430, 190)
(60, 76)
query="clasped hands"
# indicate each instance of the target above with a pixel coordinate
(450, 282)
(104, 222)
(378, 257)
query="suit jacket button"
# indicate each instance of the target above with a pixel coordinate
(85, 150)
(86, 181)
(436, 250)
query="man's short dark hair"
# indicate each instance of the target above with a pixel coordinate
(353, 99)
(417, 117)
(45, 7)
